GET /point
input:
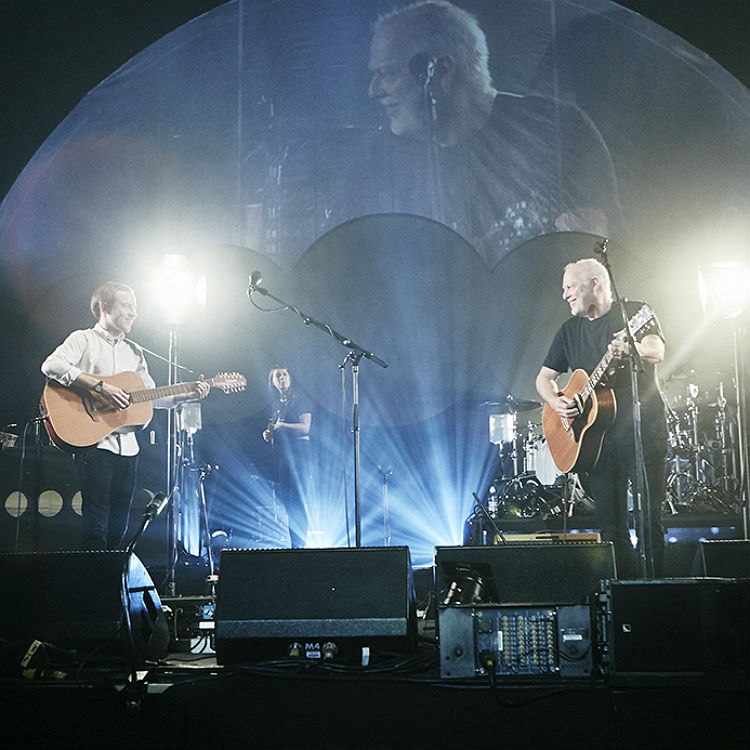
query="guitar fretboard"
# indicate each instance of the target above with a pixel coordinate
(638, 321)
(152, 394)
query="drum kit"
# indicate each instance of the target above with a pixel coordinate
(702, 459)
(527, 484)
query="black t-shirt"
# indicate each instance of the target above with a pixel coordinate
(503, 185)
(289, 411)
(581, 343)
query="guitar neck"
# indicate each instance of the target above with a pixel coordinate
(635, 324)
(596, 375)
(152, 394)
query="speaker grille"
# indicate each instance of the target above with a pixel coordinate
(265, 598)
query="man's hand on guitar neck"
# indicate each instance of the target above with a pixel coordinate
(201, 390)
(650, 347)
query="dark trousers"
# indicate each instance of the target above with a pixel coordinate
(294, 477)
(107, 489)
(607, 485)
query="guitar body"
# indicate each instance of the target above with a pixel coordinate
(575, 444)
(75, 420)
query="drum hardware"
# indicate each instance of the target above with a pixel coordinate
(527, 485)
(701, 470)
(725, 443)
(523, 496)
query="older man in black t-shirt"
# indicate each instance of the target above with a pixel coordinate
(581, 343)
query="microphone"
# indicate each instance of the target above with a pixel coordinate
(423, 67)
(255, 278)
(157, 505)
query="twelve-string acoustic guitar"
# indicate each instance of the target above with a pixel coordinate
(75, 420)
(575, 443)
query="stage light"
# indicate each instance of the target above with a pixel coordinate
(724, 289)
(177, 289)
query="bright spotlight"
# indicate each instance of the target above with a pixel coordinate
(724, 288)
(177, 289)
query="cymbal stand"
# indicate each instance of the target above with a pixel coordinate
(725, 440)
(701, 490)
(695, 443)
(205, 471)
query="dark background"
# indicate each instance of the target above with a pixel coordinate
(54, 51)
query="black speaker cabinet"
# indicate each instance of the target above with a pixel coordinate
(543, 573)
(675, 626)
(314, 603)
(725, 558)
(72, 600)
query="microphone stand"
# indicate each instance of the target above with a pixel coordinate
(641, 490)
(433, 146)
(356, 352)
(134, 690)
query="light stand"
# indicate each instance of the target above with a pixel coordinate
(356, 353)
(179, 291)
(740, 383)
(173, 463)
(723, 289)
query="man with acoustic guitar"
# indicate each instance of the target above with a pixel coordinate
(589, 424)
(82, 364)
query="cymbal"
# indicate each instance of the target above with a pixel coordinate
(510, 404)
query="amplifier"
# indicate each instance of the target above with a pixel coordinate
(559, 572)
(485, 640)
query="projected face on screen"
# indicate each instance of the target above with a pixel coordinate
(395, 87)
(497, 168)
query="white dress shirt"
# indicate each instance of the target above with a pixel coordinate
(97, 352)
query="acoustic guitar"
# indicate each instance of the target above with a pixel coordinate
(75, 420)
(575, 444)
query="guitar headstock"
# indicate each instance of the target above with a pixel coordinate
(230, 382)
(644, 318)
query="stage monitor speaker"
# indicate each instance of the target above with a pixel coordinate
(73, 601)
(726, 558)
(674, 626)
(315, 603)
(544, 573)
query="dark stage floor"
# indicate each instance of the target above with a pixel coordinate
(189, 702)
(682, 683)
